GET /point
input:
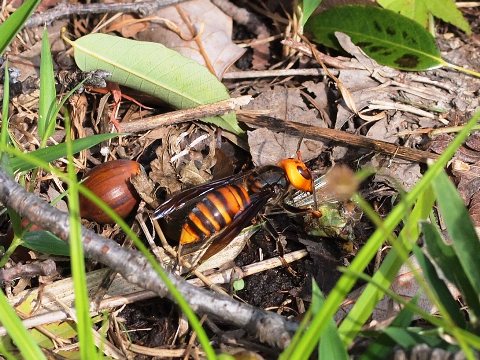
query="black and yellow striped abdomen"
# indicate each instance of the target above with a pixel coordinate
(214, 212)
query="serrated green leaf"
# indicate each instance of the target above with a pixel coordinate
(48, 94)
(14, 23)
(156, 70)
(46, 243)
(389, 38)
(55, 152)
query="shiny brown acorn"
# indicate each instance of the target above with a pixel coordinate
(110, 181)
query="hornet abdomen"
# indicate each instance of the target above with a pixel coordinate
(214, 212)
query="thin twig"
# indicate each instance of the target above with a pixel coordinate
(336, 62)
(64, 10)
(268, 327)
(274, 73)
(179, 116)
(317, 133)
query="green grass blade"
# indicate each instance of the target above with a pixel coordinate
(82, 303)
(466, 339)
(48, 94)
(156, 70)
(331, 346)
(363, 258)
(6, 352)
(12, 323)
(389, 38)
(408, 338)
(4, 138)
(437, 285)
(182, 303)
(58, 151)
(387, 272)
(446, 259)
(383, 345)
(14, 23)
(460, 228)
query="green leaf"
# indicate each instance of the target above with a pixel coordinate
(46, 243)
(444, 257)
(308, 7)
(419, 10)
(4, 136)
(407, 338)
(447, 11)
(55, 152)
(389, 38)
(437, 285)
(459, 227)
(413, 9)
(48, 94)
(382, 346)
(238, 285)
(14, 23)
(156, 70)
(330, 346)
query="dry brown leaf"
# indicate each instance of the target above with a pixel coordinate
(128, 25)
(468, 179)
(267, 147)
(398, 174)
(212, 31)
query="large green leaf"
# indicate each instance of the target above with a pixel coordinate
(418, 10)
(55, 152)
(389, 38)
(155, 70)
(14, 23)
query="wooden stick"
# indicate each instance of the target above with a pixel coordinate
(317, 133)
(179, 116)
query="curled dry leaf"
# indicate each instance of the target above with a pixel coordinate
(203, 34)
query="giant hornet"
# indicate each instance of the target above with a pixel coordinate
(220, 209)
